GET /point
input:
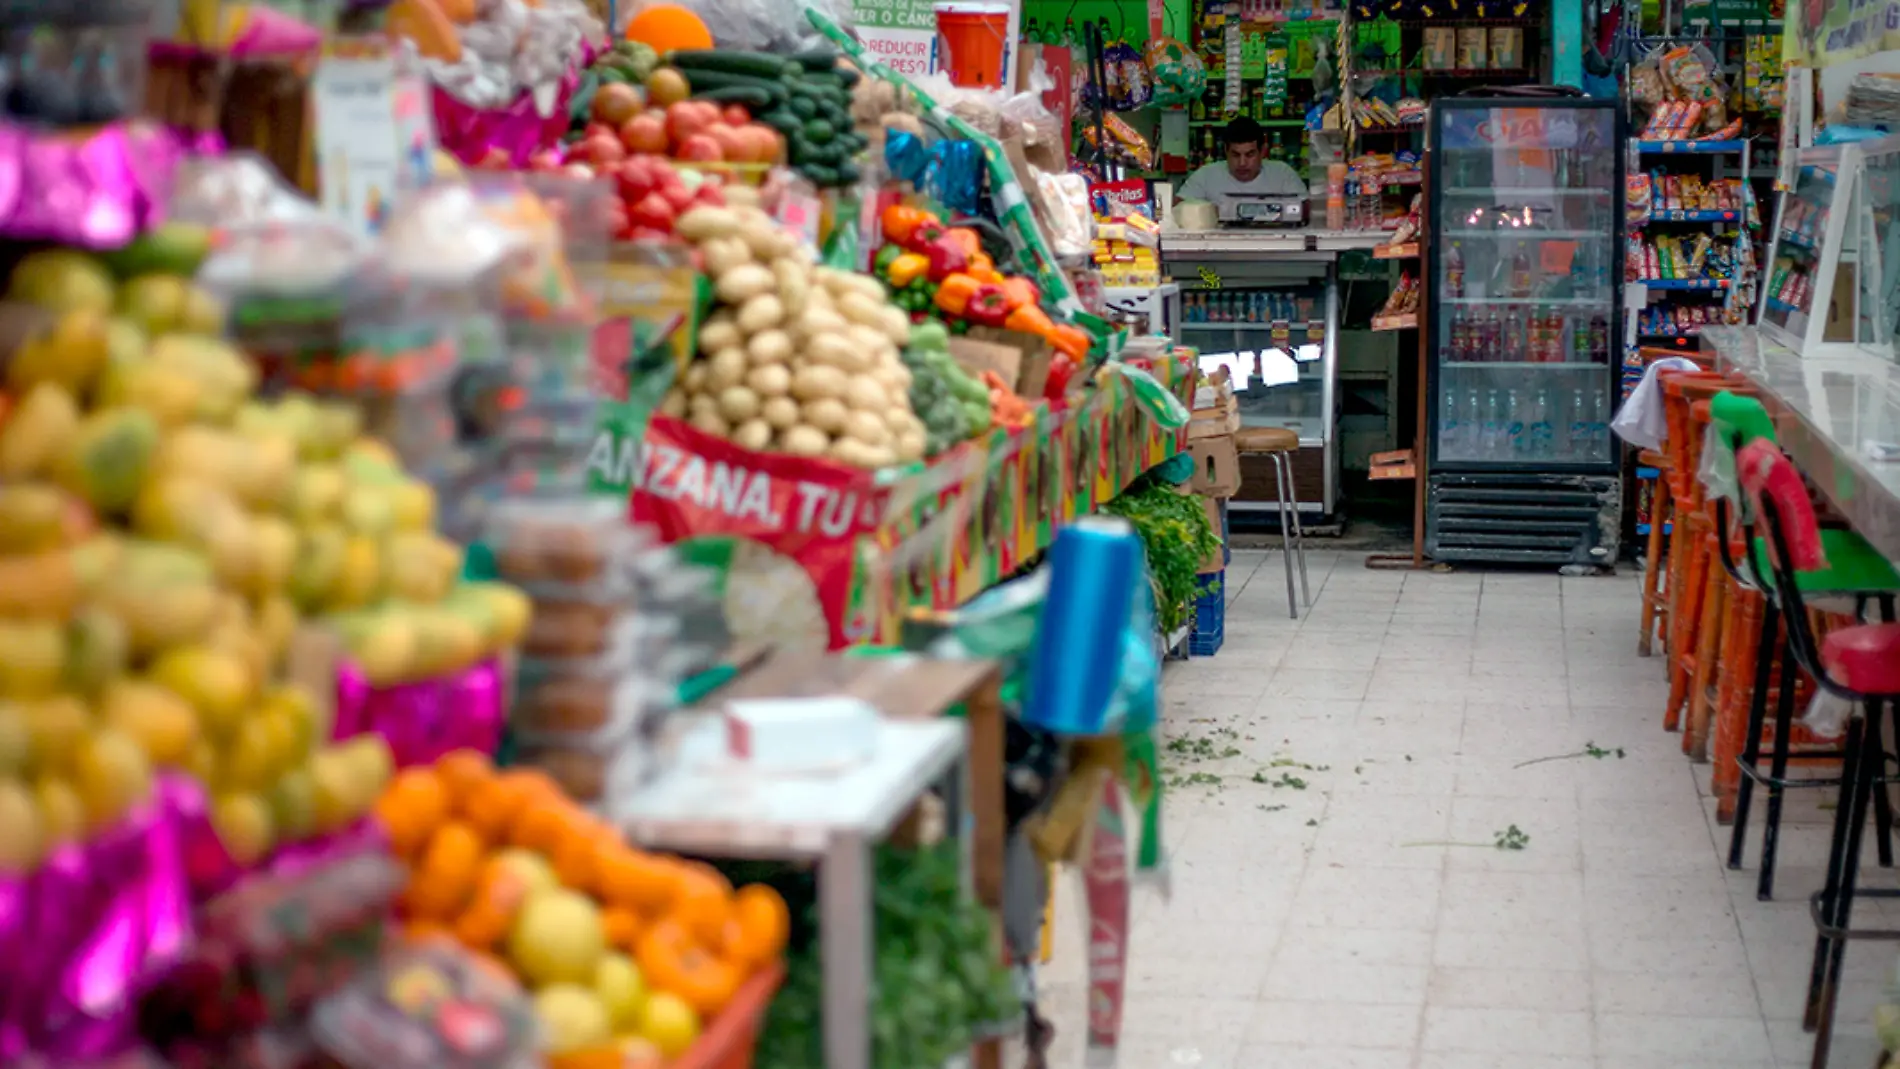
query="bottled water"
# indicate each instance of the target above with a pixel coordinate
(1473, 440)
(1450, 426)
(1491, 447)
(1513, 426)
(1581, 445)
(1540, 444)
(1599, 425)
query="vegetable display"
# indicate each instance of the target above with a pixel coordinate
(805, 98)
(952, 405)
(795, 358)
(938, 979)
(943, 271)
(1176, 536)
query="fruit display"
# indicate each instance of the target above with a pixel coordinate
(427, 1007)
(164, 535)
(622, 949)
(806, 98)
(795, 358)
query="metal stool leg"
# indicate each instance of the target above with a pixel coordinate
(1286, 530)
(1299, 534)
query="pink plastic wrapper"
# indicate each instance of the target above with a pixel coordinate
(422, 721)
(96, 191)
(518, 130)
(81, 938)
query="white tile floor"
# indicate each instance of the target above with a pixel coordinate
(1307, 930)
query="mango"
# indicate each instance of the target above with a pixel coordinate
(274, 543)
(413, 503)
(224, 376)
(108, 458)
(32, 658)
(21, 839)
(167, 303)
(70, 353)
(37, 431)
(316, 494)
(61, 280)
(163, 724)
(98, 648)
(62, 814)
(163, 593)
(276, 625)
(112, 775)
(55, 727)
(360, 580)
(217, 683)
(319, 565)
(170, 394)
(422, 566)
(34, 517)
(244, 825)
(175, 508)
(16, 743)
(386, 650)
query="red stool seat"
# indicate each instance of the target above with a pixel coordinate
(1865, 659)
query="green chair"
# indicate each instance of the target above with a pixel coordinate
(1855, 574)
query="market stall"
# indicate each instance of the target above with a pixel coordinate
(386, 514)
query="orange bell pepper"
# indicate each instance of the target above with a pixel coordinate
(955, 291)
(1030, 319)
(899, 220)
(983, 269)
(1021, 291)
(1071, 341)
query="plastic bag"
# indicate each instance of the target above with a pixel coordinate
(1827, 714)
(1179, 76)
(1640, 421)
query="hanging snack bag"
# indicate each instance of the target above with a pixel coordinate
(1441, 48)
(1471, 47)
(1507, 47)
(1129, 86)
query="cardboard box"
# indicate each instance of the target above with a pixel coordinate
(1032, 369)
(977, 356)
(1216, 510)
(1216, 466)
(1221, 419)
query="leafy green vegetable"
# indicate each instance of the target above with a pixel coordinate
(952, 405)
(1177, 536)
(938, 979)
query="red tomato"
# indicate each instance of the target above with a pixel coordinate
(595, 129)
(677, 195)
(601, 148)
(545, 160)
(709, 195)
(645, 132)
(635, 178)
(687, 118)
(734, 146)
(736, 115)
(653, 213)
(700, 148)
(771, 146)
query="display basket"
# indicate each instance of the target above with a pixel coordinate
(729, 1041)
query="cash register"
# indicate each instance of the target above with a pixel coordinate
(1262, 209)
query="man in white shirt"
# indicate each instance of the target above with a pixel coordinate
(1246, 170)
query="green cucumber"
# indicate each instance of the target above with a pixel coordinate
(781, 119)
(752, 64)
(752, 96)
(817, 60)
(848, 174)
(820, 175)
(803, 107)
(704, 82)
(818, 131)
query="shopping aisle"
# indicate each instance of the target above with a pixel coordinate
(1308, 928)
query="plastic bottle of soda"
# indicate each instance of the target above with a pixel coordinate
(1454, 271)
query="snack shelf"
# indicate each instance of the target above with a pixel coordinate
(1685, 283)
(1403, 251)
(1690, 147)
(1704, 215)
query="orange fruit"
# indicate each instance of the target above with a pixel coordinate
(462, 772)
(622, 927)
(759, 926)
(704, 904)
(423, 930)
(491, 808)
(638, 880)
(412, 807)
(671, 960)
(575, 858)
(445, 877)
(544, 823)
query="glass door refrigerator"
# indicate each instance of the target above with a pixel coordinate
(1522, 330)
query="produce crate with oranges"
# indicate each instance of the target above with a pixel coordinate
(630, 955)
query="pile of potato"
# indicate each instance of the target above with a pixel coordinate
(795, 358)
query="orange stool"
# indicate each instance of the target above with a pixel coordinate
(1655, 595)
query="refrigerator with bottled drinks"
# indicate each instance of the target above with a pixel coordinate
(1522, 331)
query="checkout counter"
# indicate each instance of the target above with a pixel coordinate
(1260, 296)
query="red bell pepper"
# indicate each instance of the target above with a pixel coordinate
(988, 306)
(945, 260)
(964, 238)
(926, 235)
(1056, 387)
(899, 221)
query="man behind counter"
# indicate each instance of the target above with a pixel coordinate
(1245, 170)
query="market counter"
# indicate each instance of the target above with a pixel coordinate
(1833, 415)
(1250, 243)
